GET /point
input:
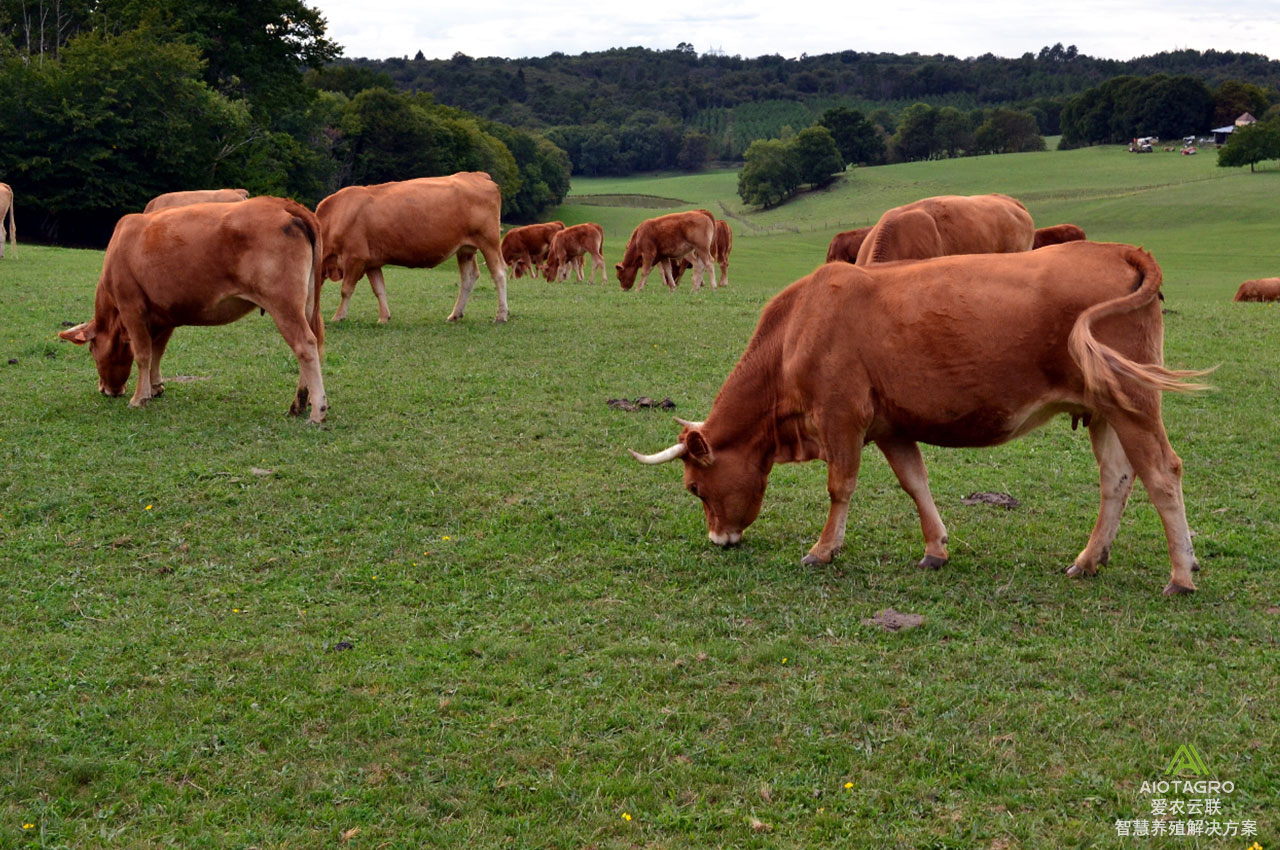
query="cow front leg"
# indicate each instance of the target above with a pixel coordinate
(842, 479)
(379, 287)
(143, 356)
(158, 343)
(908, 465)
(1115, 474)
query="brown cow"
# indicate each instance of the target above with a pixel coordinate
(416, 223)
(1056, 235)
(1263, 289)
(570, 245)
(955, 351)
(196, 196)
(206, 264)
(844, 245)
(719, 249)
(949, 224)
(525, 248)
(669, 237)
(6, 206)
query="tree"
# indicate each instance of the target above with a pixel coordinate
(816, 156)
(695, 149)
(1008, 131)
(857, 138)
(769, 175)
(916, 136)
(1233, 98)
(1251, 144)
(952, 132)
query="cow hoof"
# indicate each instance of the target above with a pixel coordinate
(812, 560)
(453, 318)
(932, 562)
(1172, 589)
(502, 319)
(1077, 571)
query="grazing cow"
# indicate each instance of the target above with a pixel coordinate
(1263, 289)
(1056, 235)
(196, 196)
(570, 245)
(955, 351)
(844, 245)
(719, 249)
(949, 224)
(6, 206)
(669, 237)
(415, 223)
(524, 249)
(206, 264)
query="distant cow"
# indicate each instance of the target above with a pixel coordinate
(569, 246)
(949, 224)
(844, 245)
(206, 264)
(1056, 235)
(1263, 289)
(6, 206)
(525, 248)
(955, 351)
(196, 196)
(416, 223)
(669, 237)
(720, 250)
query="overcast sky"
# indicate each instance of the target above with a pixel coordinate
(380, 29)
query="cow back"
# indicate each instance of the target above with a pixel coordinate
(979, 224)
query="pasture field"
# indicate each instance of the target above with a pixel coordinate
(459, 615)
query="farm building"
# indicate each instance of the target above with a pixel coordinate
(1220, 134)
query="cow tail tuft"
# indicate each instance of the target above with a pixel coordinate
(1109, 373)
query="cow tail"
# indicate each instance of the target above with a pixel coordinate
(1107, 372)
(307, 220)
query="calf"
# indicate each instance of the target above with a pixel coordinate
(570, 245)
(525, 248)
(719, 250)
(668, 237)
(206, 264)
(844, 245)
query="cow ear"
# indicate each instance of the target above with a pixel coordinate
(81, 333)
(699, 449)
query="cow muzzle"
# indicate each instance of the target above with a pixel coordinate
(725, 538)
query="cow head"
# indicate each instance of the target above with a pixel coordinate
(729, 482)
(626, 276)
(111, 352)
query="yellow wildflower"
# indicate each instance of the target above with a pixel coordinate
(626, 816)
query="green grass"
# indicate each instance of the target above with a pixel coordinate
(542, 638)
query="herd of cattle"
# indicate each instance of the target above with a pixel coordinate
(951, 321)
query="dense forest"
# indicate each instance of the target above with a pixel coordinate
(635, 108)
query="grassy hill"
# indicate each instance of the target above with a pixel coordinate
(459, 615)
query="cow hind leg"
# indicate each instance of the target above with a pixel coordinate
(470, 272)
(297, 333)
(158, 344)
(1115, 473)
(908, 465)
(350, 278)
(1160, 468)
(379, 287)
(842, 479)
(497, 271)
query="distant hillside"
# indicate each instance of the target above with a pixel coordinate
(613, 85)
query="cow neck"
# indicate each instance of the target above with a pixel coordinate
(746, 412)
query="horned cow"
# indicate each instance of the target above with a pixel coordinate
(956, 351)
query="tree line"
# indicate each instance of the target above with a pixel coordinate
(107, 103)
